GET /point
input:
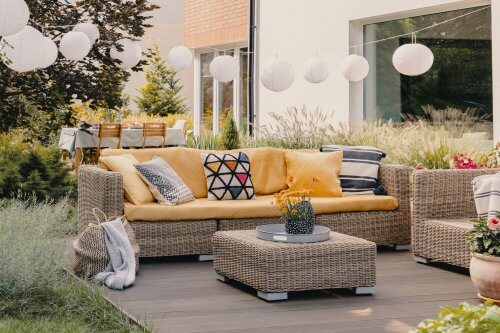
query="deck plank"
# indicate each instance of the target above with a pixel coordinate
(182, 295)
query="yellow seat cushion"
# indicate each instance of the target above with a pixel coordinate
(261, 207)
(186, 163)
(304, 166)
(136, 190)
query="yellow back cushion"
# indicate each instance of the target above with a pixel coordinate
(136, 190)
(268, 169)
(185, 162)
(267, 166)
(303, 166)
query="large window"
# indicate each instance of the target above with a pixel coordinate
(461, 76)
(218, 99)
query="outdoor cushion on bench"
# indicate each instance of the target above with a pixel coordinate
(261, 207)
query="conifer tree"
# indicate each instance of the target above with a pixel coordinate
(161, 94)
(230, 137)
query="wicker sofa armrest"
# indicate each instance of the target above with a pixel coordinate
(396, 180)
(98, 188)
(444, 194)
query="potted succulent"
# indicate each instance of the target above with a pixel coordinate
(296, 209)
(485, 262)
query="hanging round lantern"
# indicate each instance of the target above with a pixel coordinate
(90, 30)
(413, 59)
(180, 57)
(23, 50)
(278, 75)
(130, 55)
(316, 70)
(75, 45)
(224, 68)
(355, 67)
(14, 16)
(50, 53)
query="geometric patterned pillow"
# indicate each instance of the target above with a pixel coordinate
(228, 176)
(167, 187)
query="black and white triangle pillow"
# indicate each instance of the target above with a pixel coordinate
(167, 187)
(228, 176)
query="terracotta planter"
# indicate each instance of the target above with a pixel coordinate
(485, 274)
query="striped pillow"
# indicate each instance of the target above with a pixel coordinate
(359, 173)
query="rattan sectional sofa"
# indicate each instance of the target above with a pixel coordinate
(171, 231)
(443, 206)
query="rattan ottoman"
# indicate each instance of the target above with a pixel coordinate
(274, 269)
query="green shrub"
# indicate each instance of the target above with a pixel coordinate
(32, 169)
(230, 137)
(37, 294)
(32, 256)
(465, 318)
(204, 142)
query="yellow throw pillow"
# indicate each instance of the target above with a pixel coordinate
(136, 190)
(325, 168)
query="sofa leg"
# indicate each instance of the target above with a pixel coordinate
(421, 260)
(272, 297)
(205, 257)
(364, 290)
(402, 247)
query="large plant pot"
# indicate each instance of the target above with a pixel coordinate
(485, 274)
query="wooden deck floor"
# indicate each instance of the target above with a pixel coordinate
(182, 295)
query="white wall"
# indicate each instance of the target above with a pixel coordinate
(296, 29)
(167, 32)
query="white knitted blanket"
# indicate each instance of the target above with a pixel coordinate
(487, 195)
(120, 272)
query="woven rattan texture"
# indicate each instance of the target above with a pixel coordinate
(442, 201)
(342, 262)
(102, 189)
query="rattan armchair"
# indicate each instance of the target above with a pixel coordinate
(443, 206)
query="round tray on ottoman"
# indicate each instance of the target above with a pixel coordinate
(277, 233)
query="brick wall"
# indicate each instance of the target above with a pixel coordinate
(215, 22)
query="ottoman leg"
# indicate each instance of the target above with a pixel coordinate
(364, 290)
(421, 260)
(205, 257)
(271, 297)
(402, 247)
(222, 278)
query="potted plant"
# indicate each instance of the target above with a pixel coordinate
(485, 262)
(296, 209)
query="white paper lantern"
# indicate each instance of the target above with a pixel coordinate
(14, 16)
(413, 59)
(278, 75)
(24, 49)
(129, 57)
(89, 29)
(224, 68)
(180, 57)
(75, 45)
(50, 53)
(355, 67)
(316, 70)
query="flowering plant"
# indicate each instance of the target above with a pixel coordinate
(292, 202)
(485, 238)
(466, 162)
(492, 159)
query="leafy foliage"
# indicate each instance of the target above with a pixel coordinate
(466, 318)
(230, 137)
(484, 240)
(31, 169)
(160, 96)
(36, 294)
(95, 78)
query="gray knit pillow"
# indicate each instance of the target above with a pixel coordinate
(167, 187)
